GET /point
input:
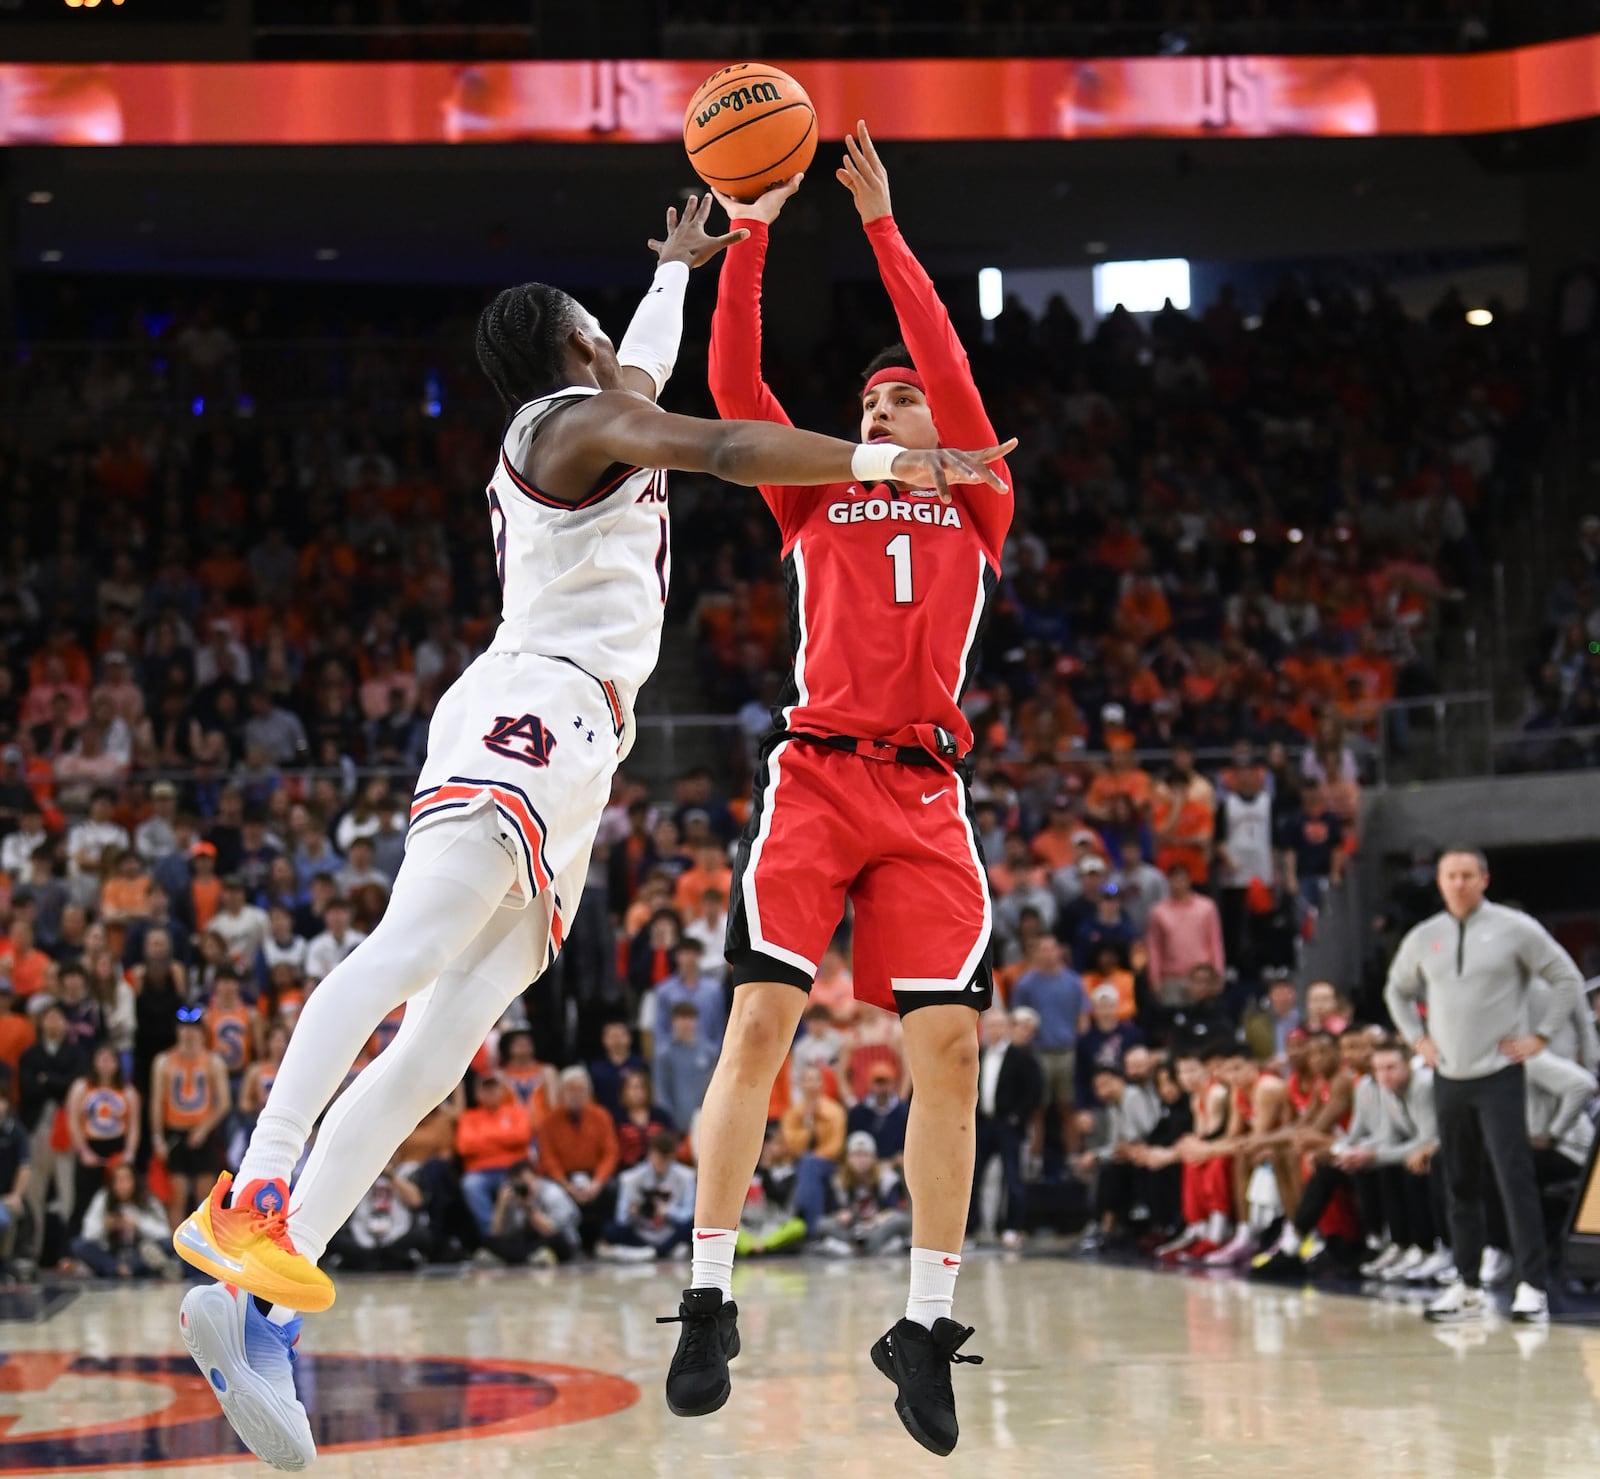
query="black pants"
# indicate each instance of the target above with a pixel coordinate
(1479, 1118)
(1116, 1189)
(997, 1138)
(1413, 1207)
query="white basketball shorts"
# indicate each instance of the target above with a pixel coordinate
(537, 740)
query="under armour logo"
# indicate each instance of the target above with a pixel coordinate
(578, 722)
(590, 736)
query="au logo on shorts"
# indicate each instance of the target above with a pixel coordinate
(525, 738)
(65, 1411)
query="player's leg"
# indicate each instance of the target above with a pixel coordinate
(922, 940)
(454, 879)
(942, 1053)
(443, 1028)
(244, 1349)
(786, 899)
(733, 1117)
(451, 884)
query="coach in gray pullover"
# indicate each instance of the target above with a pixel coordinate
(1476, 965)
(1478, 975)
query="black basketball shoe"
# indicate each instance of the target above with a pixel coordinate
(697, 1380)
(918, 1361)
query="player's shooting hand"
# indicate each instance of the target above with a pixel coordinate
(939, 467)
(764, 207)
(687, 239)
(864, 176)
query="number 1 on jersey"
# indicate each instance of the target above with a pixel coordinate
(898, 549)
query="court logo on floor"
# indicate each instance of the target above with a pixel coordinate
(66, 1411)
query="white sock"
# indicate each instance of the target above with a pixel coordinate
(713, 1259)
(281, 1314)
(276, 1145)
(933, 1285)
(1288, 1240)
(1219, 1228)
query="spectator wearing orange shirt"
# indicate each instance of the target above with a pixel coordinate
(1314, 676)
(327, 561)
(578, 1151)
(490, 1139)
(1109, 971)
(16, 1029)
(125, 894)
(814, 1125)
(61, 660)
(1065, 841)
(1121, 777)
(205, 888)
(28, 964)
(1142, 610)
(1184, 818)
(710, 873)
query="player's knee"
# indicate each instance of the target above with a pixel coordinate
(755, 1043)
(947, 1055)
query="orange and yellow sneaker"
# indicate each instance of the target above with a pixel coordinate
(247, 1243)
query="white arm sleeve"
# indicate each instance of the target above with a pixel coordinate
(651, 343)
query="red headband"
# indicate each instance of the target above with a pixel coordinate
(899, 375)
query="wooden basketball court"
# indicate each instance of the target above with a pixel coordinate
(1111, 1372)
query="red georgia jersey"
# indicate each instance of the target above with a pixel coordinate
(888, 590)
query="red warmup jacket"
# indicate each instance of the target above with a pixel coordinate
(890, 589)
(492, 1139)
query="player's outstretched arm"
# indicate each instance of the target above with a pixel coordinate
(924, 321)
(733, 367)
(617, 427)
(649, 349)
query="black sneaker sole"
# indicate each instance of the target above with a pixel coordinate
(885, 1363)
(705, 1409)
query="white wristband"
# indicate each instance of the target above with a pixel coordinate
(873, 462)
(651, 343)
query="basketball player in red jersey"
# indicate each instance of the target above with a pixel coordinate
(861, 795)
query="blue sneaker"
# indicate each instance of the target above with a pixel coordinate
(249, 1363)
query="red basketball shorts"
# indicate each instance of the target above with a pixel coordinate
(1208, 1188)
(896, 841)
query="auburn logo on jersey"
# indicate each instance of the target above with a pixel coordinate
(523, 738)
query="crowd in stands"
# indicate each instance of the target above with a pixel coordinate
(1564, 678)
(225, 628)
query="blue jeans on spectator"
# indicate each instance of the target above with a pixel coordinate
(105, 1261)
(626, 1235)
(812, 1178)
(478, 1191)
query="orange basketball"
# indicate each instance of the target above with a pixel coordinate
(749, 127)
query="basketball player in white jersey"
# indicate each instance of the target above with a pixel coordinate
(521, 753)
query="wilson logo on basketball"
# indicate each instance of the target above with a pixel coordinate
(738, 100)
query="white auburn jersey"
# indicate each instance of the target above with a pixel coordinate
(585, 582)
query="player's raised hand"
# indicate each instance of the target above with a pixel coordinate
(687, 239)
(864, 176)
(942, 467)
(764, 207)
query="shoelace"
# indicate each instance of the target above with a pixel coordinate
(954, 1353)
(699, 1330)
(273, 1226)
